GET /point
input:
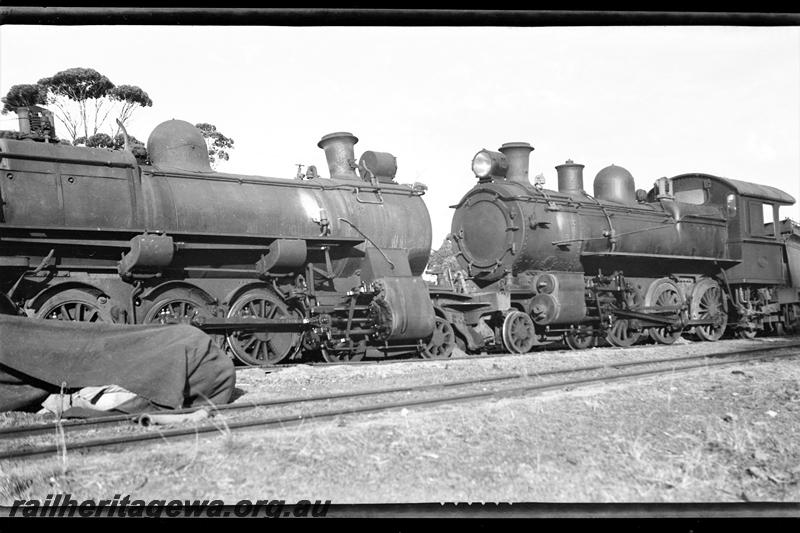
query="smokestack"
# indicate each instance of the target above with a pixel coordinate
(518, 156)
(570, 177)
(339, 152)
(24, 115)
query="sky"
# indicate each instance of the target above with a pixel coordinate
(659, 101)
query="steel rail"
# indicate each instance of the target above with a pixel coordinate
(396, 360)
(299, 418)
(468, 357)
(89, 423)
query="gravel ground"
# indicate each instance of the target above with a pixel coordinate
(304, 380)
(727, 434)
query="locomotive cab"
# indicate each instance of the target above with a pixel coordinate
(763, 282)
(751, 213)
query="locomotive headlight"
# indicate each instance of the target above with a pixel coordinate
(489, 164)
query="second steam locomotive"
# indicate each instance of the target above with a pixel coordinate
(697, 253)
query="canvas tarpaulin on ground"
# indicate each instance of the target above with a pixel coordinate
(168, 366)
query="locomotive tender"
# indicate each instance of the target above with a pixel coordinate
(697, 253)
(269, 266)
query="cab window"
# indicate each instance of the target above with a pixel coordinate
(692, 196)
(769, 220)
(762, 223)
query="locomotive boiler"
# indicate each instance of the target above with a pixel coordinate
(696, 253)
(266, 265)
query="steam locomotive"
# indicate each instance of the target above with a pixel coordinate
(697, 254)
(275, 268)
(269, 266)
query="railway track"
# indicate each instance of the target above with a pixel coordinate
(557, 347)
(382, 399)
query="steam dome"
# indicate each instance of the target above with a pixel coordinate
(178, 145)
(615, 184)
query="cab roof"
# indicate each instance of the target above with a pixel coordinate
(745, 188)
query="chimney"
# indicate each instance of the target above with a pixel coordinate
(518, 156)
(570, 177)
(339, 153)
(24, 115)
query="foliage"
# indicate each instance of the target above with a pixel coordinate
(23, 96)
(443, 261)
(103, 140)
(218, 144)
(76, 93)
(84, 99)
(15, 135)
(18, 136)
(78, 84)
(129, 97)
(98, 140)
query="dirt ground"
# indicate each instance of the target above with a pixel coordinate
(709, 435)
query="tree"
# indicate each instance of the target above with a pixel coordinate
(104, 140)
(98, 140)
(218, 144)
(443, 261)
(75, 93)
(130, 97)
(23, 96)
(84, 99)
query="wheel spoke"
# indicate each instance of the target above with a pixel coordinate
(666, 295)
(708, 304)
(519, 335)
(72, 305)
(441, 343)
(579, 340)
(267, 346)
